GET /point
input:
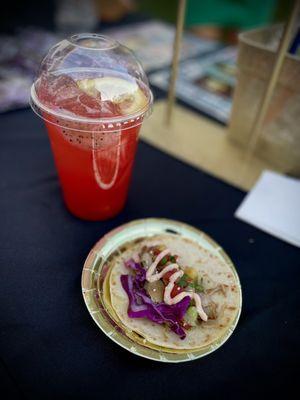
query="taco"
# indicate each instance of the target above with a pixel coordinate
(170, 293)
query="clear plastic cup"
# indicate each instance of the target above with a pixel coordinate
(93, 95)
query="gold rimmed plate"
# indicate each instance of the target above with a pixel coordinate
(94, 290)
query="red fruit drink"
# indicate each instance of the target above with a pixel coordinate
(94, 180)
(94, 167)
(93, 119)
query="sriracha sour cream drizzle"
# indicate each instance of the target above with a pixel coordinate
(152, 276)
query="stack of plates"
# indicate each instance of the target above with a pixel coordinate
(95, 288)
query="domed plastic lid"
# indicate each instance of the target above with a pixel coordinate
(91, 82)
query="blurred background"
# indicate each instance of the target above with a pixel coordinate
(28, 29)
(207, 16)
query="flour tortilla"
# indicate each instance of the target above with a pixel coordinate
(211, 268)
(131, 334)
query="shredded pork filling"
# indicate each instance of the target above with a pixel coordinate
(152, 275)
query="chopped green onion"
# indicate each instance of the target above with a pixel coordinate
(163, 261)
(197, 286)
(183, 281)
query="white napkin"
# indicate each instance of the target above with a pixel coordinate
(273, 205)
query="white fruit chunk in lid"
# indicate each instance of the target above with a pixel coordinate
(128, 96)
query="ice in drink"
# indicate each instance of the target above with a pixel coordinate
(93, 100)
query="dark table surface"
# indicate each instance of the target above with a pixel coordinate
(50, 346)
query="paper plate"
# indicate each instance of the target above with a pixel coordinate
(95, 269)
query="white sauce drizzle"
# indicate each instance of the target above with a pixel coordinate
(152, 276)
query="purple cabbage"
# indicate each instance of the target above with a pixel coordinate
(140, 272)
(141, 305)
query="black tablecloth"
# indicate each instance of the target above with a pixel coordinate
(49, 345)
